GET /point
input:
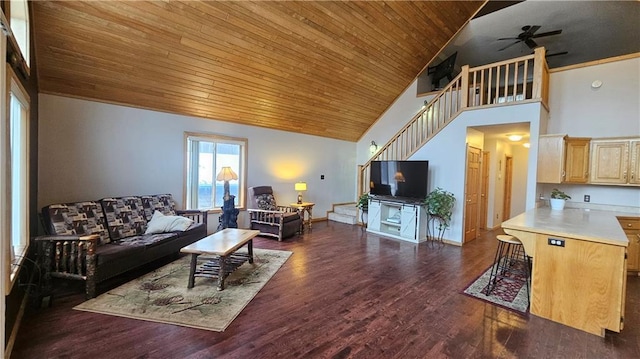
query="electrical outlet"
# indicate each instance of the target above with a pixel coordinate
(587, 198)
(555, 242)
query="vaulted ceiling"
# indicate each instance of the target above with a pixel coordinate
(325, 68)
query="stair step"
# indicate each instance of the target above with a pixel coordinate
(347, 209)
(342, 218)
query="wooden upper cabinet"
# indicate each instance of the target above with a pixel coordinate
(634, 165)
(577, 160)
(563, 159)
(615, 161)
(551, 150)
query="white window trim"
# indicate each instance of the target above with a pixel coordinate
(14, 86)
(242, 175)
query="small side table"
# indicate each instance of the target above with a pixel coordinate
(302, 208)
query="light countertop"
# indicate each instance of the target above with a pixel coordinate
(590, 225)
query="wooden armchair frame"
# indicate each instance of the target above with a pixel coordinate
(271, 218)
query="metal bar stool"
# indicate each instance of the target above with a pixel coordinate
(510, 261)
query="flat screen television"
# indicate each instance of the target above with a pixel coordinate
(405, 180)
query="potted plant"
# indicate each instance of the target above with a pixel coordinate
(363, 206)
(558, 199)
(439, 204)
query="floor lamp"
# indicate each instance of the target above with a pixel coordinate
(229, 217)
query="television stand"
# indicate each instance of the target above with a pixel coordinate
(397, 219)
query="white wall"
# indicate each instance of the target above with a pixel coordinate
(90, 150)
(612, 110)
(392, 120)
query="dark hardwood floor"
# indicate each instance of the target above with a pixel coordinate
(342, 294)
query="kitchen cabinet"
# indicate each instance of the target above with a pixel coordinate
(631, 227)
(563, 159)
(634, 165)
(615, 161)
(579, 266)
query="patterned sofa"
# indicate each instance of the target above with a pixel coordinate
(98, 240)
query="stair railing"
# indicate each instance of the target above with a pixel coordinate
(523, 79)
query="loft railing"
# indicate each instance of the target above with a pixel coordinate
(523, 79)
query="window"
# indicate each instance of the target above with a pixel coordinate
(20, 26)
(206, 154)
(18, 168)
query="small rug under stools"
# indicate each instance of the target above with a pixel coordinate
(508, 293)
(162, 295)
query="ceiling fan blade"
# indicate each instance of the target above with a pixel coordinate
(532, 44)
(557, 54)
(508, 46)
(549, 33)
(530, 30)
(508, 38)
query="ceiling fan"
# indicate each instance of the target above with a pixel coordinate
(527, 35)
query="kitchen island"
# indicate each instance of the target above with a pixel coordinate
(579, 266)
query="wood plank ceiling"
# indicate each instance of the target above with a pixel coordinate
(325, 68)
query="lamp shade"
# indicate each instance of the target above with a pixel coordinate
(226, 174)
(301, 186)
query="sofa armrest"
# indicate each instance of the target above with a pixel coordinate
(71, 257)
(198, 216)
(274, 218)
(53, 238)
(286, 209)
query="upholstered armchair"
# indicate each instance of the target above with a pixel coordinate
(270, 219)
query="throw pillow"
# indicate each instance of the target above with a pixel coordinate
(266, 201)
(160, 223)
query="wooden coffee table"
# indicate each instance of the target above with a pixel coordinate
(223, 246)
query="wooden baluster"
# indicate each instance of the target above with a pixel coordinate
(81, 258)
(506, 83)
(515, 81)
(64, 267)
(490, 87)
(73, 251)
(47, 252)
(525, 76)
(482, 92)
(58, 256)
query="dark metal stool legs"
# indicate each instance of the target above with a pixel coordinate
(510, 260)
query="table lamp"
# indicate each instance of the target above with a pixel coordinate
(226, 174)
(300, 187)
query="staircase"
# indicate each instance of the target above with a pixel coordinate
(523, 79)
(344, 213)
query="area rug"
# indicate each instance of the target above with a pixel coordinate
(162, 295)
(510, 293)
